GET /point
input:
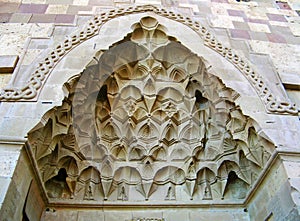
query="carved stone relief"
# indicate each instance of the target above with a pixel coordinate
(145, 121)
(44, 68)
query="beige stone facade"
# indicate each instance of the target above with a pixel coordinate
(149, 110)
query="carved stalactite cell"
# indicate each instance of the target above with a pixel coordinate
(165, 182)
(159, 153)
(205, 180)
(42, 138)
(89, 185)
(235, 187)
(48, 165)
(57, 186)
(146, 121)
(126, 180)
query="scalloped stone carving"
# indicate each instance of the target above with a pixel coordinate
(146, 121)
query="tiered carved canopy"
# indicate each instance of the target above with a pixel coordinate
(147, 121)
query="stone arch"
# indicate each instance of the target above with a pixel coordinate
(195, 95)
(93, 28)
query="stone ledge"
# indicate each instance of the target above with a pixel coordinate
(291, 81)
(8, 63)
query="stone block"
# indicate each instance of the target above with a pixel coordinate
(39, 43)
(67, 19)
(292, 168)
(9, 157)
(176, 215)
(241, 25)
(260, 36)
(34, 204)
(4, 79)
(243, 34)
(42, 30)
(5, 17)
(277, 177)
(117, 216)
(290, 81)
(13, 43)
(295, 29)
(20, 18)
(14, 29)
(16, 129)
(211, 215)
(30, 56)
(81, 2)
(12, 205)
(276, 38)
(55, 215)
(221, 21)
(293, 215)
(251, 104)
(23, 170)
(259, 27)
(7, 7)
(51, 93)
(261, 214)
(42, 18)
(56, 2)
(147, 214)
(33, 8)
(63, 30)
(8, 63)
(90, 215)
(244, 88)
(67, 215)
(281, 204)
(239, 13)
(79, 9)
(4, 183)
(57, 9)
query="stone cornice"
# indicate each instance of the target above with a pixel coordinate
(12, 140)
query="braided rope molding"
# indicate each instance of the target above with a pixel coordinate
(30, 91)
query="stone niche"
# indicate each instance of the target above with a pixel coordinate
(147, 122)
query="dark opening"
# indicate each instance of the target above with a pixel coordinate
(102, 95)
(199, 97)
(232, 177)
(200, 100)
(62, 175)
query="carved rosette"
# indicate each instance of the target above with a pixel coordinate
(146, 121)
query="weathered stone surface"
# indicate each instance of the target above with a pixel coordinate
(263, 32)
(8, 63)
(10, 155)
(209, 147)
(90, 215)
(4, 183)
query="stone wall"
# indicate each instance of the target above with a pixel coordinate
(22, 194)
(273, 199)
(266, 33)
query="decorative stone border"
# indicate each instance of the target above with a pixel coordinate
(30, 91)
